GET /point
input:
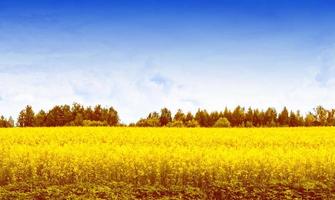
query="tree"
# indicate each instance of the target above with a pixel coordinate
(11, 121)
(68, 116)
(213, 118)
(165, 117)
(270, 117)
(293, 119)
(97, 113)
(113, 117)
(310, 119)
(79, 120)
(222, 122)
(249, 124)
(331, 117)
(154, 115)
(77, 108)
(141, 123)
(227, 114)
(40, 118)
(249, 117)
(176, 123)
(153, 120)
(192, 123)
(179, 116)
(202, 118)
(4, 123)
(88, 114)
(256, 118)
(55, 117)
(283, 118)
(321, 115)
(26, 117)
(238, 117)
(189, 117)
(300, 119)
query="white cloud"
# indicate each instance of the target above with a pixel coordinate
(138, 86)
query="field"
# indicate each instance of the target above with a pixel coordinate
(194, 163)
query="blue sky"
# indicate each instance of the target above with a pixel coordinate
(139, 56)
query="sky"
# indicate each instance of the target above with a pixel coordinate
(140, 56)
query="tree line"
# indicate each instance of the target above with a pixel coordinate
(65, 115)
(78, 115)
(239, 117)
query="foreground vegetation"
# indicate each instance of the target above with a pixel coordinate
(59, 163)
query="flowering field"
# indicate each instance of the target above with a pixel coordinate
(193, 163)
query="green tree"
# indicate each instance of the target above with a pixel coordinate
(293, 119)
(222, 122)
(310, 119)
(249, 117)
(153, 120)
(300, 119)
(227, 114)
(270, 117)
(256, 118)
(40, 118)
(26, 117)
(165, 117)
(97, 113)
(202, 118)
(189, 117)
(55, 117)
(213, 118)
(238, 117)
(249, 124)
(89, 114)
(141, 123)
(76, 109)
(68, 117)
(331, 118)
(321, 116)
(176, 123)
(11, 122)
(192, 123)
(113, 117)
(4, 123)
(283, 118)
(179, 116)
(79, 120)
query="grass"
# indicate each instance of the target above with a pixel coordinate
(158, 163)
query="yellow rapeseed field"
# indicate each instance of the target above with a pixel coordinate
(198, 163)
